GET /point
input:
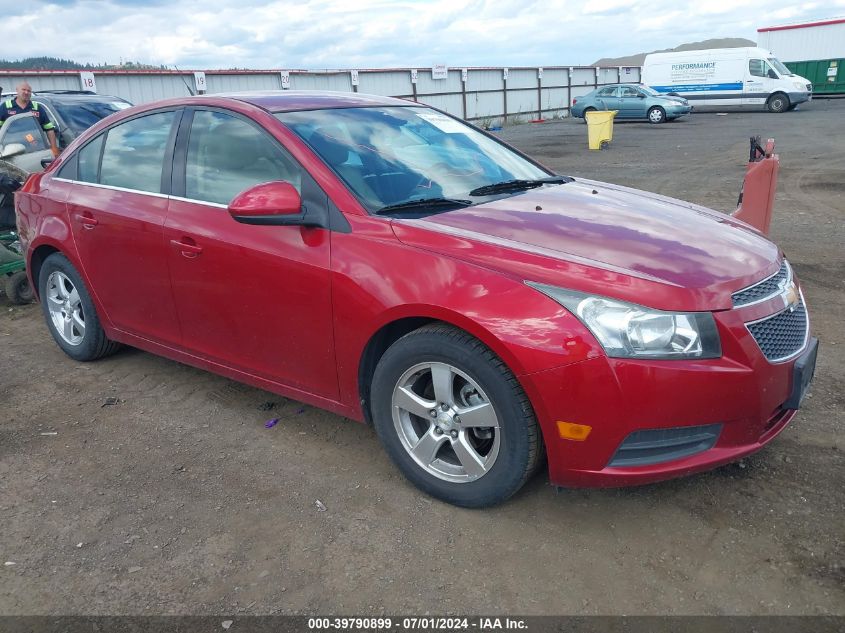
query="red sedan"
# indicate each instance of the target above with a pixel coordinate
(386, 261)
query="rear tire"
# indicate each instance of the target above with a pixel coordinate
(69, 311)
(18, 289)
(778, 103)
(454, 418)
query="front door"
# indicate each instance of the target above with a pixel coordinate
(757, 82)
(254, 298)
(631, 103)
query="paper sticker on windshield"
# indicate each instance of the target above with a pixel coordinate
(120, 105)
(30, 138)
(442, 122)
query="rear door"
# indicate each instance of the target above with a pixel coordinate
(23, 129)
(117, 208)
(254, 298)
(607, 98)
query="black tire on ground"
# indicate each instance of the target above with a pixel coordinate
(512, 449)
(58, 277)
(778, 102)
(18, 289)
(656, 115)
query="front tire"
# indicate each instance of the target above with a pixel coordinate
(778, 103)
(453, 417)
(69, 311)
(656, 115)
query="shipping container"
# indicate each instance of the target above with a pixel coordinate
(815, 50)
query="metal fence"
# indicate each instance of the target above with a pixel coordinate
(493, 96)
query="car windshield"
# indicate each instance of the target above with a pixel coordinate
(393, 158)
(81, 115)
(778, 65)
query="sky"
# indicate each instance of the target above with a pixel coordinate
(330, 34)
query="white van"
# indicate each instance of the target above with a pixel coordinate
(727, 77)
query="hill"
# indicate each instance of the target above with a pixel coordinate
(637, 60)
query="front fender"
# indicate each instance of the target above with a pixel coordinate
(525, 328)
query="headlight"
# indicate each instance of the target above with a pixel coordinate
(680, 103)
(626, 330)
(799, 85)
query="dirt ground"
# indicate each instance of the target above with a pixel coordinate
(176, 499)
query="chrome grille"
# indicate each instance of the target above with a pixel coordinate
(782, 335)
(765, 289)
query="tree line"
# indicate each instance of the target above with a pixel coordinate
(56, 63)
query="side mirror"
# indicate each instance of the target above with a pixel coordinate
(13, 149)
(773, 74)
(270, 203)
(640, 95)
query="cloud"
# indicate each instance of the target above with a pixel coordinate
(377, 33)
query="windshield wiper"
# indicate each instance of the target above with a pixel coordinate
(423, 203)
(517, 185)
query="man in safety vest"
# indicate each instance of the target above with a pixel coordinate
(23, 103)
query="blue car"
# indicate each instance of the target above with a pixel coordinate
(632, 102)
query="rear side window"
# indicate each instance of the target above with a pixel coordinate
(607, 92)
(227, 155)
(89, 160)
(134, 152)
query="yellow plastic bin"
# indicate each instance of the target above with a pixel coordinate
(600, 127)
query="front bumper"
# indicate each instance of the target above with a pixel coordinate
(673, 112)
(741, 397)
(799, 97)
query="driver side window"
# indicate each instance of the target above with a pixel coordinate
(757, 67)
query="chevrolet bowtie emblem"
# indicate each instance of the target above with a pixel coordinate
(791, 297)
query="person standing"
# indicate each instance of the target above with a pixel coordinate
(23, 103)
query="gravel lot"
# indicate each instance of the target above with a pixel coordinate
(176, 499)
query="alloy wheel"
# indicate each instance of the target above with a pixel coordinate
(65, 308)
(446, 422)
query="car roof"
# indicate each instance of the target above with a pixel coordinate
(68, 96)
(292, 100)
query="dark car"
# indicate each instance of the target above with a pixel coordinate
(24, 144)
(632, 101)
(390, 263)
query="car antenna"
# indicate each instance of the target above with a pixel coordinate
(190, 90)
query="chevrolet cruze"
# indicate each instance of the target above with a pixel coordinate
(387, 262)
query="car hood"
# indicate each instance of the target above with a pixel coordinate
(668, 98)
(606, 239)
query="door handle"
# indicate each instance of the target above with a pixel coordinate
(87, 220)
(188, 250)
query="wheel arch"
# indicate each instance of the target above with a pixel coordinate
(400, 325)
(36, 261)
